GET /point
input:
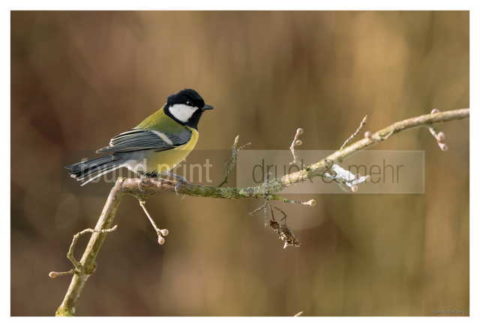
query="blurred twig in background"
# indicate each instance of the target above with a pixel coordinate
(267, 191)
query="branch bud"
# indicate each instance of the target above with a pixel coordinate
(310, 203)
(443, 146)
(441, 137)
(164, 232)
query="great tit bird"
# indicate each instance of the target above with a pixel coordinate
(155, 146)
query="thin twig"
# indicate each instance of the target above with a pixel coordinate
(295, 142)
(71, 250)
(55, 274)
(230, 165)
(440, 137)
(262, 207)
(161, 233)
(309, 203)
(351, 137)
(77, 266)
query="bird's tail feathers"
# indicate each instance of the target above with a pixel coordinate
(87, 171)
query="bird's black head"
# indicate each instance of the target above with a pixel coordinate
(186, 107)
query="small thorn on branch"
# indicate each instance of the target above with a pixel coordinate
(230, 164)
(351, 137)
(161, 233)
(296, 142)
(440, 137)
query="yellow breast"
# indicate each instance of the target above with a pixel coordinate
(164, 161)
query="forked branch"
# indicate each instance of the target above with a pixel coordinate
(268, 191)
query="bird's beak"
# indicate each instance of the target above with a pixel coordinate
(207, 107)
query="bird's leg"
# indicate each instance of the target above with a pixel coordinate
(152, 174)
(144, 177)
(143, 181)
(180, 180)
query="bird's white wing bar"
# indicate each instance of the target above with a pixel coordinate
(143, 139)
(163, 136)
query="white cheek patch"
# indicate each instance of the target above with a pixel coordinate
(182, 112)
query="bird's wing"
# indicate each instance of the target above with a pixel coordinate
(146, 139)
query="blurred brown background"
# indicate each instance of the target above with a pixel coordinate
(78, 78)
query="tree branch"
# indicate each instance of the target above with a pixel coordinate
(88, 260)
(268, 190)
(141, 188)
